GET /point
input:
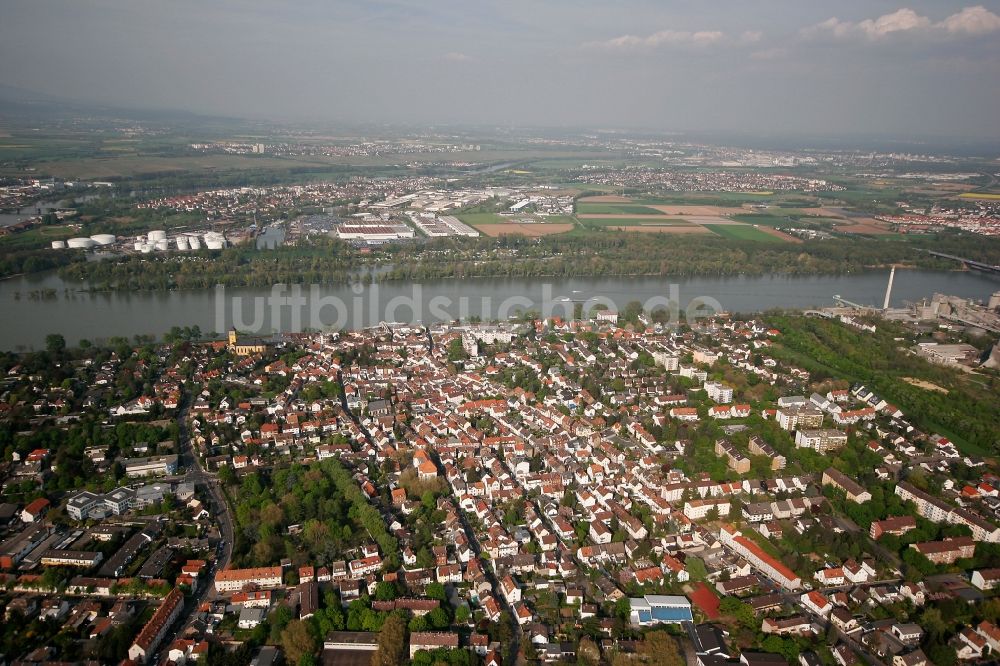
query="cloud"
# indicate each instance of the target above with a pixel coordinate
(972, 20)
(661, 38)
(901, 20)
(969, 21)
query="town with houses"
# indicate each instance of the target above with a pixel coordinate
(539, 491)
(499, 334)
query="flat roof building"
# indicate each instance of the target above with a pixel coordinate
(659, 609)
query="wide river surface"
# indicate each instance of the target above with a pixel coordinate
(35, 305)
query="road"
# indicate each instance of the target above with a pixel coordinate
(217, 506)
(516, 634)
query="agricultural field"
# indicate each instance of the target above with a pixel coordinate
(698, 211)
(663, 229)
(733, 199)
(493, 224)
(614, 209)
(771, 220)
(985, 196)
(865, 226)
(693, 215)
(631, 220)
(531, 230)
(476, 219)
(743, 232)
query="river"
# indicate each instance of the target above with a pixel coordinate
(27, 319)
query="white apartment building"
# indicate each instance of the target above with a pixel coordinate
(719, 392)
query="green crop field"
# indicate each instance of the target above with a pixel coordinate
(792, 220)
(613, 209)
(766, 219)
(644, 221)
(742, 232)
(473, 219)
(707, 198)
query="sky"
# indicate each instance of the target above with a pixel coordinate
(797, 67)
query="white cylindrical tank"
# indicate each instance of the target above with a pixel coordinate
(162, 245)
(139, 245)
(58, 245)
(182, 243)
(80, 243)
(194, 242)
(146, 248)
(157, 235)
(104, 239)
(214, 240)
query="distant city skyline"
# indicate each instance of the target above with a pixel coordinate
(780, 66)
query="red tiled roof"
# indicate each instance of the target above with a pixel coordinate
(764, 557)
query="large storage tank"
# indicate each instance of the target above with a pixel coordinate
(194, 242)
(103, 239)
(58, 245)
(146, 248)
(157, 235)
(182, 243)
(80, 243)
(214, 240)
(139, 244)
(162, 245)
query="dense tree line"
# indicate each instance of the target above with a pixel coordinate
(15, 262)
(327, 261)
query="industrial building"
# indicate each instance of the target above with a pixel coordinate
(155, 465)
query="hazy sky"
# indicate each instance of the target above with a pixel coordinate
(802, 66)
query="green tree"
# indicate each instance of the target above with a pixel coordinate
(386, 591)
(55, 343)
(298, 641)
(436, 591)
(438, 618)
(391, 642)
(660, 649)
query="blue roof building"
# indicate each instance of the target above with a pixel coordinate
(659, 609)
